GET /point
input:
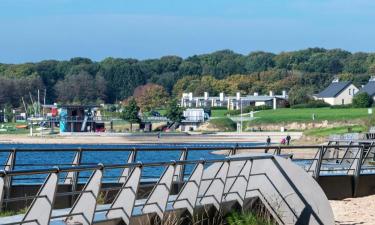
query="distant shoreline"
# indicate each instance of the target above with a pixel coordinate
(129, 139)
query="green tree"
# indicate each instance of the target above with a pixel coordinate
(174, 112)
(362, 100)
(299, 95)
(81, 88)
(8, 113)
(130, 113)
(150, 96)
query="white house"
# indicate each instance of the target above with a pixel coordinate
(369, 88)
(192, 119)
(234, 102)
(338, 93)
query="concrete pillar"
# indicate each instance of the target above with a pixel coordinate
(274, 103)
(221, 96)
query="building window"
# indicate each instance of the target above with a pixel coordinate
(342, 101)
(350, 91)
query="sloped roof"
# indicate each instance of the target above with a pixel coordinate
(369, 88)
(334, 89)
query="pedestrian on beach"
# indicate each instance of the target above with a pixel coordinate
(283, 141)
(159, 135)
(288, 138)
(268, 143)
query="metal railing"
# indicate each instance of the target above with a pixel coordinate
(318, 160)
(199, 189)
(315, 159)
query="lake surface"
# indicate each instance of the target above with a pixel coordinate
(39, 160)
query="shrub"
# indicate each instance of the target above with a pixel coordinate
(218, 107)
(223, 124)
(299, 95)
(246, 218)
(342, 106)
(362, 100)
(312, 104)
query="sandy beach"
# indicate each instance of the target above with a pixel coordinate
(108, 138)
(354, 211)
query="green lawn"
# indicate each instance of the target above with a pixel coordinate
(223, 124)
(324, 132)
(10, 128)
(218, 112)
(305, 115)
(162, 111)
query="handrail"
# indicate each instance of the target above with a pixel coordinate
(126, 165)
(172, 148)
(215, 193)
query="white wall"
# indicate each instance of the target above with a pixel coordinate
(259, 103)
(345, 95)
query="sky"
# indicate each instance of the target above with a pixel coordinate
(35, 30)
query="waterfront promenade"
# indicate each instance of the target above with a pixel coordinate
(125, 138)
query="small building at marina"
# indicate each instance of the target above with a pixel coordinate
(80, 118)
(193, 118)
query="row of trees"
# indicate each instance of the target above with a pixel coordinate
(115, 79)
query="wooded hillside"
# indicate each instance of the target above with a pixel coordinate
(81, 80)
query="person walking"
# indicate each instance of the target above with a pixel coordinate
(288, 138)
(268, 143)
(282, 142)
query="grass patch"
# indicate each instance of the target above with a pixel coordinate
(246, 218)
(13, 213)
(219, 112)
(305, 115)
(10, 128)
(223, 124)
(322, 132)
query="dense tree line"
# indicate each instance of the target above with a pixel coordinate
(83, 80)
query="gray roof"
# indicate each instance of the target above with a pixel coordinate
(369, 88)
(334, 89)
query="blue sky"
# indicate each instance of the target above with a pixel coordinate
(34, 30)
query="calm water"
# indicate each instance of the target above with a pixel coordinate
(40, 159)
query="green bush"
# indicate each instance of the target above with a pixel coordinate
(311, 104)
(362, 100)
(223, 124)
(218, 107)
(348, 106)
(247, 218)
